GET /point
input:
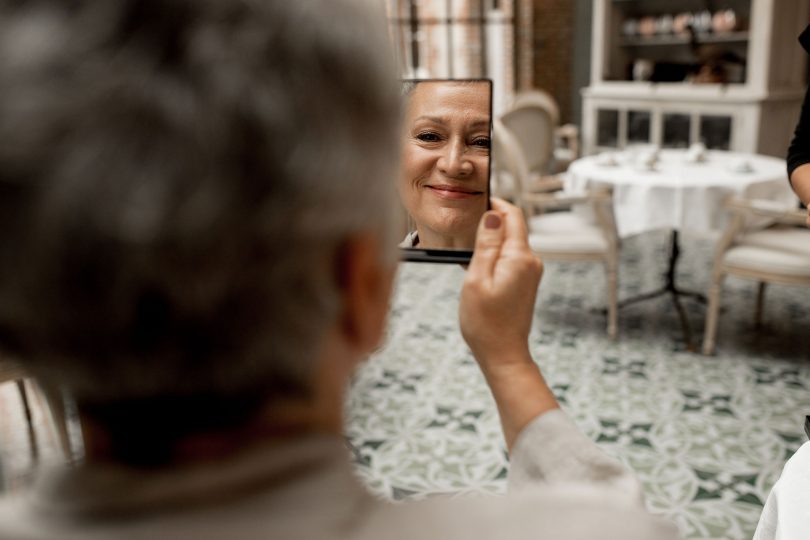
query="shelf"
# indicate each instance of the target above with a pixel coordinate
(732, 95)
(730, 37)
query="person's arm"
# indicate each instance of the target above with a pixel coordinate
(495, 314)
(496, 309)
(800, 180)
(798, 157)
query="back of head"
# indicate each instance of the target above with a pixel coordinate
(175, 179)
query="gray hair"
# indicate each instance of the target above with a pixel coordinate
(176, 180)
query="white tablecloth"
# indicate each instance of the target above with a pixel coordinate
(678, 194)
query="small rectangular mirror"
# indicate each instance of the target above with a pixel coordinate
(444, 175)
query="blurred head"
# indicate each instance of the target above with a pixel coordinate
(445, 160)
(178, 179)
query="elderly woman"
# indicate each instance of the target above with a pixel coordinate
(444, 183)
(191, 246)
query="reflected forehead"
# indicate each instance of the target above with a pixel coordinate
(446, 100)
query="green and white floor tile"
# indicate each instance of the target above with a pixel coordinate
(707, 436)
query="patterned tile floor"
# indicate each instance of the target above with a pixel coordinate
(707, 436)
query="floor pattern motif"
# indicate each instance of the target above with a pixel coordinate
(707, 436)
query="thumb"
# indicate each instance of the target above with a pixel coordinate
(488, 242)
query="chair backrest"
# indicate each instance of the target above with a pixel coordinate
(537, 98)
(533, 117)
(509, 169)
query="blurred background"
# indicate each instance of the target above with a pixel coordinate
(623, 71)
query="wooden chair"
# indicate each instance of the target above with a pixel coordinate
(548, 148)
(11, 371)
(563, 235)
(778, 254)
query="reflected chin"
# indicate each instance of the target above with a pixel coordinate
(454, 222)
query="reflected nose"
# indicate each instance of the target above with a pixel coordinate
(454, 161)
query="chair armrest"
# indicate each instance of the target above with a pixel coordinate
(567, 131)
(768, 209)
(547, 184)
(562, 199)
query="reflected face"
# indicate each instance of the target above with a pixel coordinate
(445, 161)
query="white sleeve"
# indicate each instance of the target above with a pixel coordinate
(766, 528)
(787, 511)
(551, 449)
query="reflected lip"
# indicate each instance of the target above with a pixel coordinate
(453, 192)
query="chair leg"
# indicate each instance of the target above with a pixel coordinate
(32, 434)
(712, 313)
(613, 301)
(56, 405)
(760, 304)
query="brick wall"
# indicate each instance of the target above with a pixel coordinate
(524, 42)
(553, 51)
(540, 48)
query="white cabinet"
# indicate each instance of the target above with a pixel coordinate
(755, 75)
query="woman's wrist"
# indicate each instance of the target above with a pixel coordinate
(520, 392)
(505, 362)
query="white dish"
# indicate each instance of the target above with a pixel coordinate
(607, 160)
(696, 158)
(697, 153)
(742, 167)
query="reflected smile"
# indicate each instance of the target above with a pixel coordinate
(445, 191)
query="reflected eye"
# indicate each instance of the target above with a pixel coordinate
(428, 136)
(481, 142)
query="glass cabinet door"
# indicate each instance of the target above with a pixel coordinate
(638, 127)
(715, 132)
(676, 130)
(607, 128)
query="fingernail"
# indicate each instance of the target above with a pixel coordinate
(492, 221)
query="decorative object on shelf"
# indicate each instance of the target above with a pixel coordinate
(724, 21)
(647, 26)
(664, 24)
(702, 25)
(718, 65)
(682, 23)
(702, 21)
(630, 28)
(708, 73)
(643, 70)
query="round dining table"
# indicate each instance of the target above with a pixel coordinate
(678, 190)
